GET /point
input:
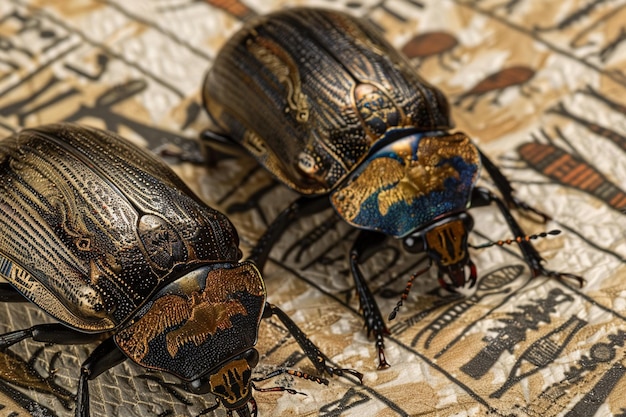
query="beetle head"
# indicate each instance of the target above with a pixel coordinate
(445, 242)
(231, 383)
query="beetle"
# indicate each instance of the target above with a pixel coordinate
(106, 239)
(332, 111)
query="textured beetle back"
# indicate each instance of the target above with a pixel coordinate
(92, 225)
(310, 92)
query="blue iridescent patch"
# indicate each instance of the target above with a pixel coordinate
(409, 183)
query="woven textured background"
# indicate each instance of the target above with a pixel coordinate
(541, 88)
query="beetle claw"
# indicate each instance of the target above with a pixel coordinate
(472, 278)
(445, 285)
(382, 361)
(472, 282)
(342, 373)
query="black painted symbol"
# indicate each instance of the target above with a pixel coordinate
(594, 399)
(573, 17)
(25, 107)
(351, 399)
(493, 283)
(514, 331)
(102, 61)
(541, 353)
(600, 353)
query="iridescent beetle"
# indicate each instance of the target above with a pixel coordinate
(323, 102)
(107, 240)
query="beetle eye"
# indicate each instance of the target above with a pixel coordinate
(468, 221)
(413, 243)
(252, 357)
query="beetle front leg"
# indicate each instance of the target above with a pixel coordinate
(303, 206)
(315, 355)
(55, 333)
(483, 197)
(506, 189)
(365, 243)
(103, 358)
(216, 147)
(8, 294)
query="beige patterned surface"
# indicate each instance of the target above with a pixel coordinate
(527, 79)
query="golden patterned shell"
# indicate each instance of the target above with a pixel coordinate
(92, 225)
(310, 92)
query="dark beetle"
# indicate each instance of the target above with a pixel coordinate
(106, 239)
(323, 102)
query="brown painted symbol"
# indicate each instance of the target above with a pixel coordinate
(430, 44)
(571, 170)
(497, 83)
(234, 7)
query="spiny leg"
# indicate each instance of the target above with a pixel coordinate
(217, 147)
(506, 189)
(209, 409)
(253, 202)
(298, 374)
(55, 333)
(104, 357)
(303, 206)
(310, 238)
(8, 294)
(315, 355)
(483, 197)
(365, 243)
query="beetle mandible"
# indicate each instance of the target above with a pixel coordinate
(328, 107)
(106, 239)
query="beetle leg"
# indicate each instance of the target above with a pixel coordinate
(303, 206)
(365, 243)
(56, 333)
(8, 294)
(315, 355)
(216, 147)
(209, 409)
(303, 375)
(445, 284)
(506, 189)
(304, 243)
(481, 197)
(105, 356)
(11, 338)
(253, 202)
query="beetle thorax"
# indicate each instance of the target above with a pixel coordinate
(198, 322)
(409, 183)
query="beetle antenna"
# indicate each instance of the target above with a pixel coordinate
(277, 389)
(298, 374)
(291, 372)
(406, 291)
(518, 239)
